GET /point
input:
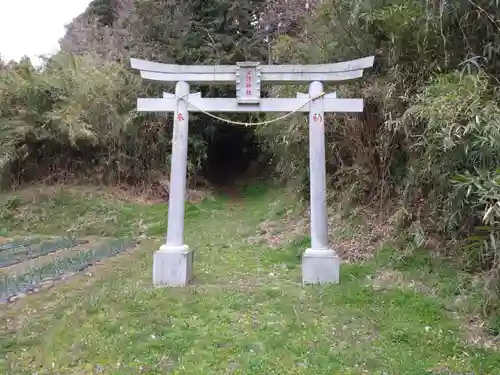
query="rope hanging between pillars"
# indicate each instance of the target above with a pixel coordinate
(251, 123)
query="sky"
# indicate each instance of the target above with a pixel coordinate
(34, 27)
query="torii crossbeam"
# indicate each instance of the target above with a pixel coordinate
(173, 263)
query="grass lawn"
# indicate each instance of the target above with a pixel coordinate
(245, 312)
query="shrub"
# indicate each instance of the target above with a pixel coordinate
(77, 113)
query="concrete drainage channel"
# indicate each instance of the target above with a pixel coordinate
(28, 265)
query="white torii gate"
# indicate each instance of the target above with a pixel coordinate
(173, 262)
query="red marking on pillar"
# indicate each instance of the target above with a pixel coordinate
(317, 117)
(180, 117)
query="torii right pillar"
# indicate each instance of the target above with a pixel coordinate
(320, 263)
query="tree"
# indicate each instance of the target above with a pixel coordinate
(105, 29)
(103, 10)
(189, 32)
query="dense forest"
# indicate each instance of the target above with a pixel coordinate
(427, 147)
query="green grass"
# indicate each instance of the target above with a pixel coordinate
(245, 312)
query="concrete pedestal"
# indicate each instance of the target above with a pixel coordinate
(173, 266)
(320, 267)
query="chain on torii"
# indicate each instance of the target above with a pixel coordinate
(261, 123)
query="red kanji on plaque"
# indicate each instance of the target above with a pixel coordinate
(248, 83)
(180, 117)
(317, 117)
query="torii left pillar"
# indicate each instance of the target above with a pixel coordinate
(173, 262)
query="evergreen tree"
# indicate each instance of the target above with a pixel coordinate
(103, 10)
(200, 31)
(225, 32)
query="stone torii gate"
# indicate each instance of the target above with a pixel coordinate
(173, 262)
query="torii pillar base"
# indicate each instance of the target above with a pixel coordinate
(173, 266)
(320, 267)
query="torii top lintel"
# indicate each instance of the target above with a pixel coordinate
(278, 74)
